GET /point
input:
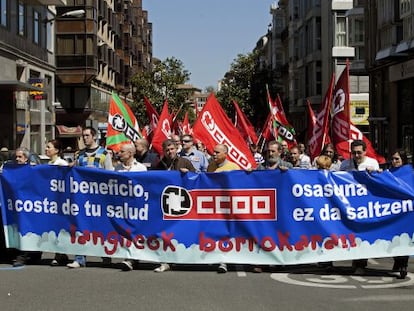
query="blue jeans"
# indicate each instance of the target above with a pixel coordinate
(80, 259)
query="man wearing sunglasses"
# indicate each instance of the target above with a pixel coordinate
(359, 161)
(188, 151)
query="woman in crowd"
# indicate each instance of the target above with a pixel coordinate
(323, 162)
(53, 151)
(399, 158)
(329, 150)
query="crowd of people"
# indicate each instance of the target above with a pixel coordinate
(189, 155)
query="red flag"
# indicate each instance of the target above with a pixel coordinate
(163, 130)
(343, 131)
(244, 126)
(122, 125)
(267, 128)
(186, 127)
(273, 113)
(282, 130)
(151, 113)
(281, 111)
(214, 127)
(318, 130)
(146, 132)
(266, 133)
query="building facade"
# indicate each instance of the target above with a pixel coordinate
(27, 78)
(98, 52)
(310, 41)
(390, 43)
(61, 60)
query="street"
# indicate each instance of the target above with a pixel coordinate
(190, 287)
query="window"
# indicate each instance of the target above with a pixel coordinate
(318, 81)
(407, 31)
(36, 27)
(49, 33)
(359, 53)
(21, 21)
(318, 31)
(3, 13)
(340, 30)
(65, 45)
(405, 8)
(386, 12)
(356, 31)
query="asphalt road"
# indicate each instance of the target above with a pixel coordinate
(306, 287)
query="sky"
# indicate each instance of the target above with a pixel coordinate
(206, 35)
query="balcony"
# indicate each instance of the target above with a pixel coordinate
(75, 69)
(343, 51)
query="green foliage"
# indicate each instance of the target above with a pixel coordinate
(236, 85)
(244, 83)
(210, 89)
(158, 84)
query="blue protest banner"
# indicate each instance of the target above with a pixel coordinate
(258, 217)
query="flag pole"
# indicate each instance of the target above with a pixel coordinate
(176, 115)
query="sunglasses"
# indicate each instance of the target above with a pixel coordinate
(395, 159)
(186, 141)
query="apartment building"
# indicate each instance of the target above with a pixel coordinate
(98, 52)
(60, 62)
(390, 51)
(27, 78)
(317, 39)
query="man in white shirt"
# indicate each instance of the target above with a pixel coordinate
(359, 161)
(299, 160)
(129, 164)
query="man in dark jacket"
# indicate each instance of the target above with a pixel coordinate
(172, 162)
(145, 156)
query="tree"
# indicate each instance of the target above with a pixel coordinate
(158, 84)
(210, 89)
(236, 85)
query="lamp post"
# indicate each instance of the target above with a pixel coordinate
(73, 13)
(42, 129)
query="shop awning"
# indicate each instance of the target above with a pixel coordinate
(16, 85)
(68, 131)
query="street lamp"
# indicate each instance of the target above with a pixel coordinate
(42, 130)
(73, 13)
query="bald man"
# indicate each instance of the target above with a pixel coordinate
(128, 162)
(220, 162)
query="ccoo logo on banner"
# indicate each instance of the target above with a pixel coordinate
(220, 204)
